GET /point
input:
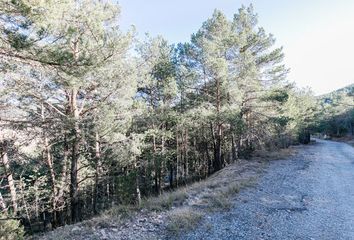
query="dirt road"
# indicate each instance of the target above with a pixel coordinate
(309, 196)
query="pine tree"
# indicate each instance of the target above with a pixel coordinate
(81, 43)
(157, 89)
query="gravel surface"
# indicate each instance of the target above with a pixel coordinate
(308, 196)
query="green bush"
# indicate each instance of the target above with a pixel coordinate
(11, 229)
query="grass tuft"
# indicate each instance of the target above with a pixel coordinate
(183, 219)
(121, 211)
(219, 201)
(165, 201)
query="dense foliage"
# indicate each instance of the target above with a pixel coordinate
(336, 113)
(90, 117)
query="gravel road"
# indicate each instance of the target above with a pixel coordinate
(309, 196)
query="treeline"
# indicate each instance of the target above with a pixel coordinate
(90, 117)
(336, 113)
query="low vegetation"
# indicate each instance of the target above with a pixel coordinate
(165, 201)
(183, 219)
(11, 229)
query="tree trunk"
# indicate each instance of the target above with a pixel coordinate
(217, 149)
(97, 172)
(2, 204)
(219, 161)
(156, 177)
(162, 155)
(74, 186)
(218, 137)
(63, 182)
(48, 159)
(185, 146)
(177, 158)
(5, 161)
(137, 182)
(171, 175)
(208, 158)
(234, 151)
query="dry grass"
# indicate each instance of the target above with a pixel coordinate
(183, 219)
(112, 217)
(219, 201)
(275, 155)
(166, 200)
(221, 198)
(121, 211)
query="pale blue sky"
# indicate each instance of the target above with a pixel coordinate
(317, 35)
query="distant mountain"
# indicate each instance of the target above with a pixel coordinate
(336, 112)
(348, 90)
(345, 92)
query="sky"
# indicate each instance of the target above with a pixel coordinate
(317, 35)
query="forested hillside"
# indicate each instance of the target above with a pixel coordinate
(90, 117)
(336, 112)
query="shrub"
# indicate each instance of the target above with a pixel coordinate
(11, 229)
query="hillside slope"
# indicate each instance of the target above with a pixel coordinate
(336, 112)
(172, 213)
